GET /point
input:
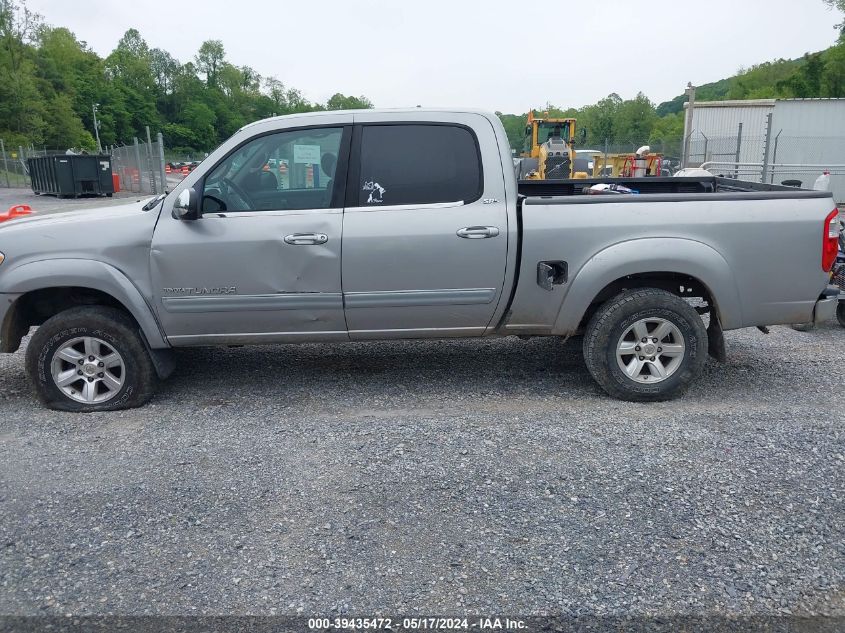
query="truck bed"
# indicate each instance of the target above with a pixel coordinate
(755, 246)
(662, 185)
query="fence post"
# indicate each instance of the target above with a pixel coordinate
(153, 185)
(5, 163)
(690, 121)
(606, 152)
(738, 150)
(775, 156)
(138, 164)
(160, 140)
(766, 147)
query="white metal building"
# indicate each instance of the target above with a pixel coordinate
(805, 132)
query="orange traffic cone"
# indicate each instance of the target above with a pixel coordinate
(15, 212)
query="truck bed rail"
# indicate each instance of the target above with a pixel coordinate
(659, 185)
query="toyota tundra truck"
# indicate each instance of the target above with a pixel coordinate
(405, 224)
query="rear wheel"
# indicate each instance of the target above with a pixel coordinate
(840, 313)
(645, 345)
(90, 358)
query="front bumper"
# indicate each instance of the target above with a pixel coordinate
(825, 309)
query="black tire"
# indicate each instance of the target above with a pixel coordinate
(611, 321)
(803, 327)
(111, 325)
(840, 312)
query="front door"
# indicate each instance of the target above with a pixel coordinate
(425, 229)
(262, 264)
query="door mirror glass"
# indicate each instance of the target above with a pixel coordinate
(186, 206)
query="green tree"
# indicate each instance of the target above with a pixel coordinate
(209, 60)
(22, 107)
(342, 102)
(634, 119)
(667, 131)
(804, 83)
(200, 119)
(64, 128)
(833, 75)
(49, 82)
(599, 120)
(515, 129)
(163, 68)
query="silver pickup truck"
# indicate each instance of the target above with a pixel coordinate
(372, 225)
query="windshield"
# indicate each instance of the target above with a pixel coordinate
(548, 130)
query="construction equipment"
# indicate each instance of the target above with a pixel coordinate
(640, 164)
(549, 150)
(549, 154)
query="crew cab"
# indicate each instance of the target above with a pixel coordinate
(370, 225)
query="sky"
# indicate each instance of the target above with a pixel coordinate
(493, 55)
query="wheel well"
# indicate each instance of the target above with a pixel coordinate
(684, 286)
(36, 306)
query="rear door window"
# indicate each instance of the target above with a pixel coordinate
(417, 164)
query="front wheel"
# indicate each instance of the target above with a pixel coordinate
(840, 313)
(645, 345)
(89, 359)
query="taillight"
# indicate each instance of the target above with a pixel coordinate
(830, 241)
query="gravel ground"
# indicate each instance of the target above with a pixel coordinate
(433, 478)
(52, 204)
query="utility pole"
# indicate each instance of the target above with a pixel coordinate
(688, 127)
(97, 127)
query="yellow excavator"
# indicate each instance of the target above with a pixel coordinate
(549, 149)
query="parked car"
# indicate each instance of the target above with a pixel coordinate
(433, 242)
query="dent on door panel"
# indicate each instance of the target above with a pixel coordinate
(264, 291)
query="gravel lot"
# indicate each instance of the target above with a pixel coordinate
(52, 204)
(433, 478)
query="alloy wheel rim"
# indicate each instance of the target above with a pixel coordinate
(88, 370)
(650, 350)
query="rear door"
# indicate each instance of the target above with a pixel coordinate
(424, 229)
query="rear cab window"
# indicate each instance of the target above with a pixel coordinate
(418, 164)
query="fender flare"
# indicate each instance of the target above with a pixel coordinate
(652, 255)
(86, 273)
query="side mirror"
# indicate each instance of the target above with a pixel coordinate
(583, 136)
(186, 206)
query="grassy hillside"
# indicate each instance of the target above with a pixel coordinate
(757, 82)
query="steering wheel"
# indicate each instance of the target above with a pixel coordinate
(231, 187)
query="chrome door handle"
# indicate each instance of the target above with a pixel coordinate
(478, 232)
(306, 239)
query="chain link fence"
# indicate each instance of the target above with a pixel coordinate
(670, 149)
(13, 171)
(775, 158)
(139, 166)
(671, 152)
